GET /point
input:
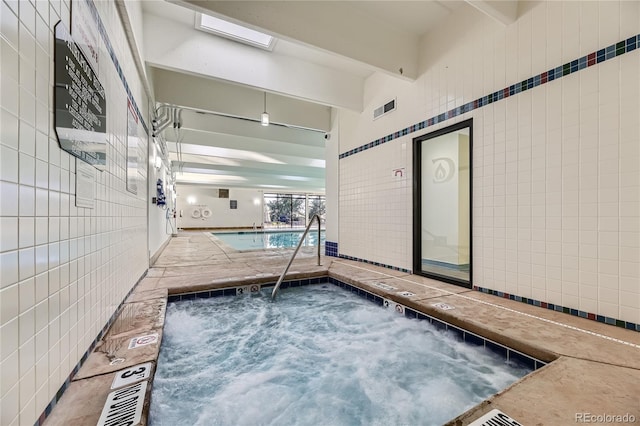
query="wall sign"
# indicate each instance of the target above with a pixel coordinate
(398, 173)
(81, 105)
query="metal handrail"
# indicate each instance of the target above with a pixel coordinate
(277, 287)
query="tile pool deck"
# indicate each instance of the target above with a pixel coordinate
(593, 370)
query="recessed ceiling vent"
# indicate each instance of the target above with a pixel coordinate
(384, 109)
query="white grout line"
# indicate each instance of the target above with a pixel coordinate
(450, 293)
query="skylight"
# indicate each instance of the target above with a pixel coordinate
(234, 32)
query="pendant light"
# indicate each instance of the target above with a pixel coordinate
(265, 115)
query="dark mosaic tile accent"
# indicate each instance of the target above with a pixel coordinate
(424, 317)
(410, 313)
(357, 259)
(473, 339)
(455, 331)
(609, 52)
(502, 351)
(461, 334)
(521, 359)
(507, 353)
(575, 312)
(331, 249)
(233, 291)
(439, 324)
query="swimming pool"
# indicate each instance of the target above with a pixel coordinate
(252, 240)
(319, 355)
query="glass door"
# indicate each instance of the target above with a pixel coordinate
(442, 204)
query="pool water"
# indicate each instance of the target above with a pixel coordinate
(319, 355)
(266, 240)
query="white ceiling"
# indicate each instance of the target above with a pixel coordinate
(324, 53)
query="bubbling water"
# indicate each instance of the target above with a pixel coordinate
(318, 356)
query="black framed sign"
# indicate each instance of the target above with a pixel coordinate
(81, 105)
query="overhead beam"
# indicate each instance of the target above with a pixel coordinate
(172, 45)
(239, 165)
(227, 170)
(236, 154)
(190, 137)
(329, 25)
(505, 12)
(212, 95)
(222, 125)
(266, 182)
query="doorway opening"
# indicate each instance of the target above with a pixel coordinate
(442, 204)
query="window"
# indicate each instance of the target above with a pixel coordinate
(292, 210)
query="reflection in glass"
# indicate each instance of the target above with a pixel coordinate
(444, 249)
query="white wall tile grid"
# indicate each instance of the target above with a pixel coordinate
(64, 269)
(556, 174)
(373, 207)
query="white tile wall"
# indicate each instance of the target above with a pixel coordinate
(63, 269)
(373, 206)
(556, 169)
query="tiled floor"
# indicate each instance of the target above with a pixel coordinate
(594, 368)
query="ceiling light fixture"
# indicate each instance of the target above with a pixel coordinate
(265, 115)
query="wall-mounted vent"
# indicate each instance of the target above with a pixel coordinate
(384, 109)
(223, 193)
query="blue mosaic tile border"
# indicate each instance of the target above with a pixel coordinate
(237, 290)
(575, 312)
(330, 249)
(47, 411)
(462, 334)
(105, 38)
(505, 352)
(609, 52)
(369, 262)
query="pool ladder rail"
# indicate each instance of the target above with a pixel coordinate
(306, 231)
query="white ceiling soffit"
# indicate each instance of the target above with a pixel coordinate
(364, 31)
(224, 151)
(207, 94)
(171, 42)
(505, 12)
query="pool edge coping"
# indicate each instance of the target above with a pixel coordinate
(326, 273)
